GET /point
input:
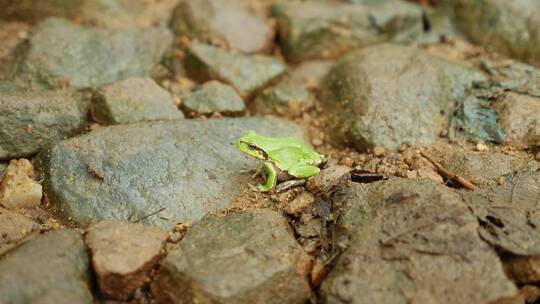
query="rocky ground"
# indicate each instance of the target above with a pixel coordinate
(121, 182)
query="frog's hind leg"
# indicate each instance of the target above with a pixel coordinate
(304, 171)
(271, 178)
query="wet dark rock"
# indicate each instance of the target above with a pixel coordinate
(475, 120)
(51, 268)
(211, 97)
(508, 27)
(481, 168)
(246, 74)
(411, 241)
(322, 30)
(32, 120)
(389, 95)
(228, 23)
(14, 227)
(509, 214)
(286, 99)
(106, 13)
(133, 100)
(123, 255)
(249, 256)
(60, 53)
(520, 117)
(180, 169)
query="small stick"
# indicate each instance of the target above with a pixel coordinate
(465, 183)
(149, 215)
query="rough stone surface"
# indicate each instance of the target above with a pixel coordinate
(246, 74)
(127, 172)
(228, 23)
(519, 115)
(14, 227)
(389, 95)
(2, 168)
(509, 214)
(509, 27)
(106, 13)
(211, 97)
(286, 99)
(311, 73)
(411, 242)
(59, 53)
(133, 100)
(328, 179)
(322, 30)
(249, 256)
(123, 254)
(51, 268)
(481, 168)
(18, 189)
(31, 120)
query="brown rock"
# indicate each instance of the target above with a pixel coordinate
(411, 241)
(14, 227)
(123, 254)
(18, 188)
(523, 269)
(328, 179)
(299, 204)
(519, 115)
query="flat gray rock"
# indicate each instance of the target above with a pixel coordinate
(286, 99)
(323, 30)
(411, 242)
(52, 268)
(388, 95)
(60, 53)
(183, 169)
(509, 27)
(227, 23)
(213, 96)
(245, 73)
(31, 120)
(246, 257)
(135, 99)
(481, 168)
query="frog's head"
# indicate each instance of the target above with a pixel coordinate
(248, 144)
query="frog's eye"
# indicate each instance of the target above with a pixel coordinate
(252, 146)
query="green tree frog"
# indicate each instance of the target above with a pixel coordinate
(283, 157)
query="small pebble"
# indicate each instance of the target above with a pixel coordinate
(379, 151)
(316, 142)
(402, 148)
(346, 161)
(481, 147)
(443, 133)
(501, 180)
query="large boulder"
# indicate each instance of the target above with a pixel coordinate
(32, 120)
(60, 53)
(320, 30)
(228, 23)
(161, 173)
(51, 268)
(387, 95)
(245, 257)
(508, 27)
(411, 242)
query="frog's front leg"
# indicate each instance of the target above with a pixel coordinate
(271, 177)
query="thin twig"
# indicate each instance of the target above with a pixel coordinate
(465, 183)
(149, 215)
